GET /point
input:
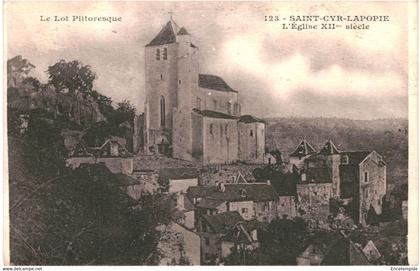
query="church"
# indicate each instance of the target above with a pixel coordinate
(189, 115)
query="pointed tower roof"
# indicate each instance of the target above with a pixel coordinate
(167, 35)
(183, 31)
(329, 148)
(303, 149)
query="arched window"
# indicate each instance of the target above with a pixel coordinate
(162, 112)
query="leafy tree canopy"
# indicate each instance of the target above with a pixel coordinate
(72, 75)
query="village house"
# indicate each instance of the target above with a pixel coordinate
(189, 115)
(302, 151)
(127, 184)
(357, 177)
(221, 232)
(286, 204)
(111, 152)
(363, 180)
(174, 180)
(251, 200)
(243, 236)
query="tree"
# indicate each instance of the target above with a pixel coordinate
(104, 103)
(33, 82)
(44, 134)
(125, 112)
(73, 76)
(283, 240)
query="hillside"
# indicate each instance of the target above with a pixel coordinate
(387, 136)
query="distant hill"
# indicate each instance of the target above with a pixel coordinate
(389, 137)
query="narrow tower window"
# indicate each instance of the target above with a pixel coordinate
(165, 54)
(157, 54)
(198, 103)
(251, 133)
(162, 112)
(211, 129)
(366, 176)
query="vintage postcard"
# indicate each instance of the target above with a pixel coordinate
(210, 133)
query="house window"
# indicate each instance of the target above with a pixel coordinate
(269, 161)
(345, 160)
(266, 207)
(244, 210)
(207, 241)
(229, 107)
(165, 54)
(162, 112)
(179, 82)
(251, 133)
(366, 178)
(198, 103)
(157, 54)
(211, 128)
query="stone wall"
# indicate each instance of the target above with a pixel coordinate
(220, 141)
(197, 137)
(251, 142)
(313, 200)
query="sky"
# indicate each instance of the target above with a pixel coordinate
(357, 74)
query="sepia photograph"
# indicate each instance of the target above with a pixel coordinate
(210, 133)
